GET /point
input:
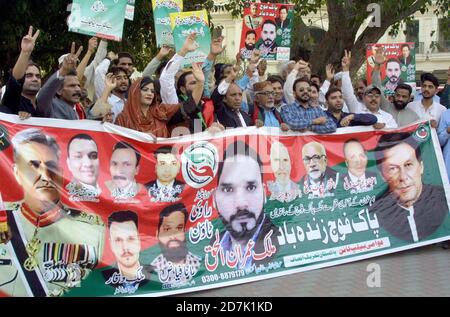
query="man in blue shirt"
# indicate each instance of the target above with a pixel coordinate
(335, 102)
(301, 116)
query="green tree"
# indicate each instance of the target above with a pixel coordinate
(50, 17)
(345, 18)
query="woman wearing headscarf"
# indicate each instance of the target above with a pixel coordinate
(143, 111)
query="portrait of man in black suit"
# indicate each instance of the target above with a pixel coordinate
(320, 180)
(282, 21)
(409, 210)
(166, 188)
(357, 179)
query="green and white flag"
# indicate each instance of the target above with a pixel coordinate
(185, 23)
(161, 15)
(101, 18)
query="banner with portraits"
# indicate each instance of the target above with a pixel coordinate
(185, 23)
(267, 27)
(161, 16)
(91, 209)
(399, 67)
(101, 18)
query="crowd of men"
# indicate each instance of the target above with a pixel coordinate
(167, 100)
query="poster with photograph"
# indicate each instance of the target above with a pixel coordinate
(399, 67)
(267, 27)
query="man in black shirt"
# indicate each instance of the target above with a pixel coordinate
(24, 82)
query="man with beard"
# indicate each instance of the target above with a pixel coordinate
(52, 248)
(393, 75)
(175, 265)
(267, 44)
(124, 166)
(25, 80)
(409, 210)
(302, 116)
(239, 199)
(250, 44)
(427, 108)
(320, 181)
(372, 97)
(128, 274)
(117, 97)
(402, 115)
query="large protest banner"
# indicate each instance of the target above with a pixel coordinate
(400, 65)
(161, 16)
(185, 23)
(101, 18)
(267, 27)
(98, 210)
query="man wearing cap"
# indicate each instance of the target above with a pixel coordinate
(52, 247)
(372, 97)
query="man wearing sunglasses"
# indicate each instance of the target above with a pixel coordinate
(265, 113)
(302, 116)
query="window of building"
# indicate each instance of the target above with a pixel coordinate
(412, 35)
(444, 35)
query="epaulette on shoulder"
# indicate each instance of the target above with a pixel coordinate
(85, 217)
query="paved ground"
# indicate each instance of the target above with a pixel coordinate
(419, 272)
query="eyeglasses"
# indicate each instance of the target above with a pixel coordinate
(373, 95)
(267, 93)
(315, 158)
(305, 89)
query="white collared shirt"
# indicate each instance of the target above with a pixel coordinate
(117, 105)
(158, 183)
(433, 112)
(383, 117)
(91, 188)
(412, 223)
(359, 182)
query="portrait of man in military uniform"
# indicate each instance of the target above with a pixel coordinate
(128, 274)
(166, 188)
(175, 265)
(124, 166)
(52, 247)
(83, 163)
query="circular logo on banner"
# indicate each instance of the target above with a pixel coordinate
(4, 141)
(199, 164)
(422, 133)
